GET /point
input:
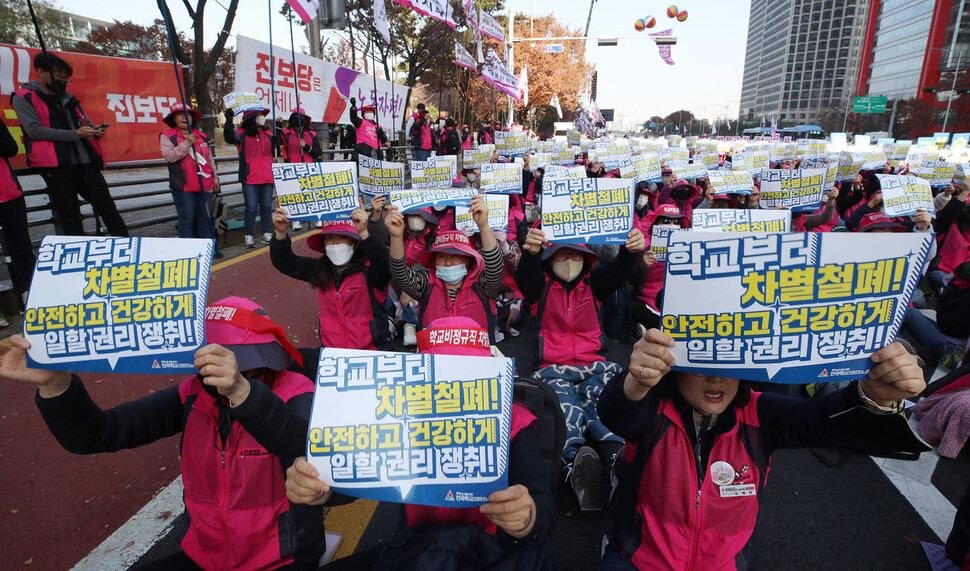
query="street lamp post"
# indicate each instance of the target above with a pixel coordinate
(953, 87)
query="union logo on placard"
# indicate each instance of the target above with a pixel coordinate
(155, 364)
(824, 373)
(449, 497)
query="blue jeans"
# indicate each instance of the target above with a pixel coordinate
(258, 197)
(420, 155)
(925, 332)
(194, 210)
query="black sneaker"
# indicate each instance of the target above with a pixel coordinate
(585, 479)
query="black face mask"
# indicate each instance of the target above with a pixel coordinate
(58, 86)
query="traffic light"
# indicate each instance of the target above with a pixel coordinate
(930, 89)
(593, 91)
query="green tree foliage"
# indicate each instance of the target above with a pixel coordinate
(17, 28)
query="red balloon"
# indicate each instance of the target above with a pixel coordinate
(672, 12)
(682, 16)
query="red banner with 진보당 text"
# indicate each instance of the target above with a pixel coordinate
(131, 95)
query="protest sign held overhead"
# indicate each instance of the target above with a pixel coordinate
(904, 195)
(241, 102)
(790, 308)
(422, 429)
(410, 200)
(591, 211)
(474, 158)
(734, 220)
(498, 214)
(133, 305)
(511, 143)
(379, 178)
(501, 178)
(731, 182)
(573, 138)
(316, 191)
(428, 174)
(691, 170)
(937, 174)
(798, 189)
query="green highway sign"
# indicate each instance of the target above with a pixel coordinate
(869, 104)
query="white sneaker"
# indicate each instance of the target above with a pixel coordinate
(297, 226)
(267, 237)
(250, 242)
(410, 335)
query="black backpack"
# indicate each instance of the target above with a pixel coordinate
(452, 142)
(542, 401)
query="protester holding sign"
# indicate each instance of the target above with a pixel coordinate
(708, 440)
(562, 283)
(190, 165)
(457, 281)
(255, 148)
(681, 194)
(648, 281)
(516, 521)
(351, 279)
(370, 135)
(64, 145)
(243, 420)
(300, 144)
(466, 138)
(822, 220)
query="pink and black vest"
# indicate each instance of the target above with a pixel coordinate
(678, 525)
(571, 325)
(183, 176)
(235, 495)
(471, 301)
(367, 134)
(255, 157)
(9, 185)
(352, 315)
(292, 147)
(42, 154)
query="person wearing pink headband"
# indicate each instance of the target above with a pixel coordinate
(243, 419)
(516, 521)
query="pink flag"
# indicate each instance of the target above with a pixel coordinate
(524, 84)
(664, 50)
(305, 9)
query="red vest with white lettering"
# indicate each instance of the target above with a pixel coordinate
(348, 312)
(521, 418)
(44, 153)
(570, 333)
(677, 526)
(255, 157)
(367, 134)
(9, 185)
(235, 496)
(183, 176)
(291, 141)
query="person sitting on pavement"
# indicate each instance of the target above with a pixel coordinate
(517, 520)
(457, 280)
(243, 403)
(561, 282)
(703, 443)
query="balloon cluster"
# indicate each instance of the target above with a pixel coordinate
(650, 21)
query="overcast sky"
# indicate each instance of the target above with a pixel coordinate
(709, 55)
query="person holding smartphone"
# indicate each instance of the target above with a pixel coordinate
(65, 147)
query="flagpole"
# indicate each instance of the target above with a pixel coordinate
(272, 74)
(296, 83)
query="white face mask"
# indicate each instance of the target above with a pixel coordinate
(439, 207)
(417, 223)
(340, 254)
(472, 177)
(567, 270)
(369, 116)
(642, 201)
(260, 120)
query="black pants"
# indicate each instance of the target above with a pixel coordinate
(16, 242)
(64, 184)
(642, 315)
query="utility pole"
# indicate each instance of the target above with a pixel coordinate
(953, 88)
